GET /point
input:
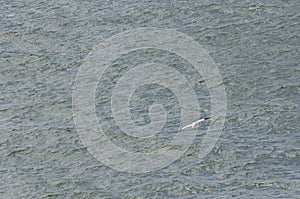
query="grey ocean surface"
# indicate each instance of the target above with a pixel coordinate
(255, 45)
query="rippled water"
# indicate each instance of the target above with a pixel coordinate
(254, 44)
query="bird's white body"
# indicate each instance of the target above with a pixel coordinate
(194, 123)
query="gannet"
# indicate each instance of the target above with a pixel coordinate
(195, 123)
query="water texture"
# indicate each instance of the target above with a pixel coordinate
(255, 45)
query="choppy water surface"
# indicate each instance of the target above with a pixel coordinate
(254, 44)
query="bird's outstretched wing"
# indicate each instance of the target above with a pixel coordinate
(190, 125)
(195, 123)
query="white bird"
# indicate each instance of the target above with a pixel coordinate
(195, 123)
